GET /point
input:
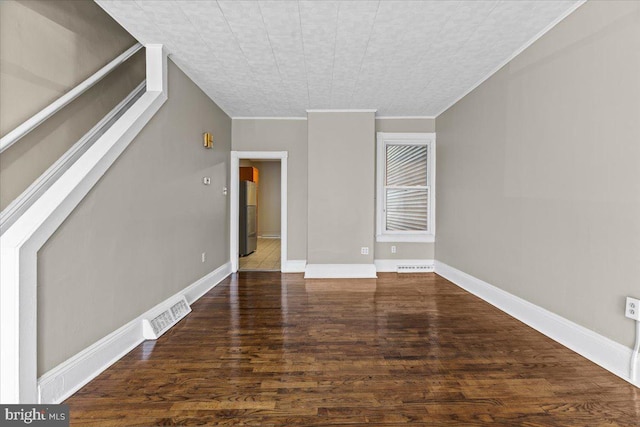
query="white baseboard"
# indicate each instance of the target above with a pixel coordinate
(610, 355)
(68, 377)
(340, 271)
(391, 265)
(294, 266)
(200, 287)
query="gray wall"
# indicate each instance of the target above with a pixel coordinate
(73, 40)
(405, 250)
(539, 172)
(341, 170)
(48, 47)
(406, 125)
(268, 198)
(137, 237)
(22, 163)
(282, 135)
(291, 135)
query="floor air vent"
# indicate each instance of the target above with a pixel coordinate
(153, 328)
(415, 269)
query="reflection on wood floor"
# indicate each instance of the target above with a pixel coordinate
(265, 258)
(271, 349)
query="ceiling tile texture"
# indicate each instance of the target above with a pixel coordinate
(280, 58)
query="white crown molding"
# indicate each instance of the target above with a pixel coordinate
(294, 266)
(341, 111)
(391, 265)
(68, 377)
(405, 117)
(601, 350)
(340, 271)
(268, 118)
(516, 53)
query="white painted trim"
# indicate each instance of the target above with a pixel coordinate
(516, 53)
(148, 332)
(607, 353)
(68, 377)
(236, 156)
(260, 155)
(14, 136)
(157, 76)
(71, 375)
(269, 236)
(197, 289)
(268, 118)
(294, 266)
(340, 271)
(391, 265)
(405, 117)
(428, 139)
(44, 181)
(406, 238)
(342, 111)
(22, 240)
(409, 137)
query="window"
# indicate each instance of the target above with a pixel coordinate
(405, 187)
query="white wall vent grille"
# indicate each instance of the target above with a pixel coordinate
(415, 269)
(180, 309)
(153, 328)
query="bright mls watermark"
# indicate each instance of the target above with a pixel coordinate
(34, 415)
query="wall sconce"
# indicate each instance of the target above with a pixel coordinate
(207, 140)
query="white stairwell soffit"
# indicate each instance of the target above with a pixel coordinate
(20, 243)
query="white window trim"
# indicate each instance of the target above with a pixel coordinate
(382, 139)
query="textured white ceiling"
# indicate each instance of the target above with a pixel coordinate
(280, 58)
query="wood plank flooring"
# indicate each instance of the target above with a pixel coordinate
(267, 349)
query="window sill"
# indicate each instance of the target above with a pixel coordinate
(399, 238)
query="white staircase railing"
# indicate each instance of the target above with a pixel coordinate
(14, 136)
(20, 243)
(21, 203)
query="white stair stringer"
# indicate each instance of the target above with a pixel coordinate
(20, 243)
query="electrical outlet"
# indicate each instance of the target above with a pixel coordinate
(364, 250)
(632, 309)
(204, 256)
(393, 249)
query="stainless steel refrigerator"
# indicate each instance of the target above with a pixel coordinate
(248, 219)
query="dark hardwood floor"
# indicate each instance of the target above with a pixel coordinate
(267, 349)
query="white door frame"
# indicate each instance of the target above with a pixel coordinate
(236, 156)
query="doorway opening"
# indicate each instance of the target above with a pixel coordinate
(258, 211)
(259, 215)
